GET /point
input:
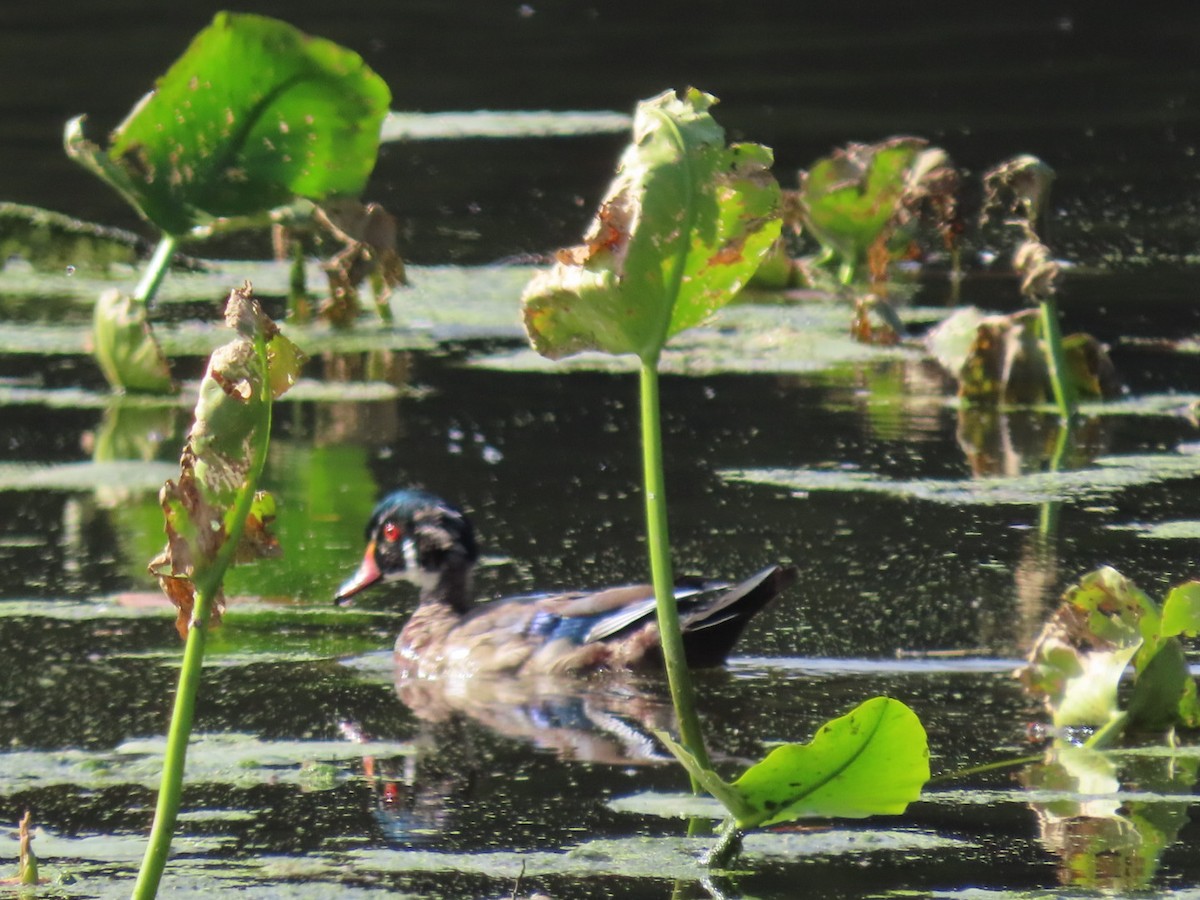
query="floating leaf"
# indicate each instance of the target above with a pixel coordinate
(872, 761)
(682, 229)
(999, 358)
(253, 114)
(126, 349)
(55, 243)
(227, 436)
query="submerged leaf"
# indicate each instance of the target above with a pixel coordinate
(682, 229)
(253, 114)
(126, 349)
(226, 436)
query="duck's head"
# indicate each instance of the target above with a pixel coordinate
(413, 536)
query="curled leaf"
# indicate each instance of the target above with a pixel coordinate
(999, 358)
(862, 200)
(681, 230)
(217, 466)
(1018, 190)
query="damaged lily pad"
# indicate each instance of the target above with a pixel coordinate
(1103, 625)
(1000, 359)
(211, 521)
(644, 273)
(253, 114)
(863, 199)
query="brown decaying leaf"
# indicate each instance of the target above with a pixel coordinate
(609, 233)
(213, 466)
(875, 322)
(1017, 189)
(1037, 269)
(370, 249)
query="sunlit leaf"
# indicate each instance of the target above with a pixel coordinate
(682, 229)
(1181, 610)
(872, 761)
(253, 114)
(862, 195)
(125, 347)
(226, 436)
(1077, 661)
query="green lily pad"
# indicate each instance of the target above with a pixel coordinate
(253, 114)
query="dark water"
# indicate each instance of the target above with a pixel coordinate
(549, 465)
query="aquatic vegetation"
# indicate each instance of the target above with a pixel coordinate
(1104, 626)
(864, 202)
(252, 116)
(682, 228)
(215, 516)
(680, 231)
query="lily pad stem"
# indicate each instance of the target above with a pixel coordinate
(207, 585)
(674, 657)
(727, 848)
(1055, 360)
(156, 270)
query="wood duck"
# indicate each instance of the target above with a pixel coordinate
(418, 537)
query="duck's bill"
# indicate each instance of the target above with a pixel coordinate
(368, 574)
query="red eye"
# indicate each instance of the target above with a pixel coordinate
(391, 532)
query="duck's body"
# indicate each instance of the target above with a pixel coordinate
(418, 537)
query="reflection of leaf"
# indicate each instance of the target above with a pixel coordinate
(682, 229)
(133, 431)
(252, 114)
(1104, 841)
(126, 349)
(227, 437)
(872, 761)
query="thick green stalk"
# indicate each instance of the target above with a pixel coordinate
(674, 658)
(156, 270)
(170, 790)
(1055, 360)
